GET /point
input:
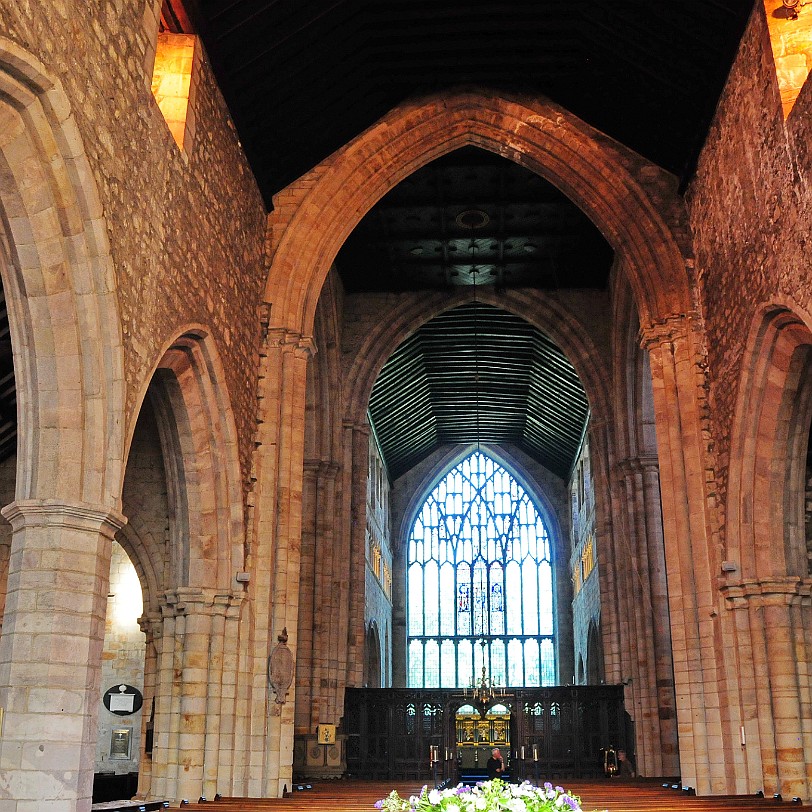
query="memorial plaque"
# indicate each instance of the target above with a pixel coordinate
(123, 699)
(120, 742)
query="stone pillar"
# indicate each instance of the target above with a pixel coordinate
(684, 442)
(323, 596)
(50, 653)
(771, 626)
(276, 551)
(150, 624)
(357, 437)
(190, 711)
(651, 691)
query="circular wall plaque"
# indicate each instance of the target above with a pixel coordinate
(123, 700)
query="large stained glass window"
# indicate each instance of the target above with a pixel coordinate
(479, 583)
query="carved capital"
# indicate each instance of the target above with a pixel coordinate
(290, 341)
(192, 600)
(638, 465)
(666, 330)
(759, 592)
(321, 469)
(55, 513)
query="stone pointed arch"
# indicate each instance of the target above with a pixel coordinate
(768, 445)
(765, 579)
(199, 446)
(628, 199)
(60, 287)
(549, 314)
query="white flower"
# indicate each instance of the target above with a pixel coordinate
(480, 803)
(452, 808)
(516, 805)
(435, 796)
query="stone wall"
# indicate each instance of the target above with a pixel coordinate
(122, 661)
(750, 207)
(186, 241)
(378, 570)
(586, 606)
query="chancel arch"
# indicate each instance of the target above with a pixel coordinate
(536, 134)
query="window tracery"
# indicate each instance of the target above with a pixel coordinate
(479, 582)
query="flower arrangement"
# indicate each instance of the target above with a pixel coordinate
(486, 796)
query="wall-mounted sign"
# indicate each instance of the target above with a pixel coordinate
(120, 742)
(326, 734)
(123, 700)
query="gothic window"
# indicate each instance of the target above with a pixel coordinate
(479, 583)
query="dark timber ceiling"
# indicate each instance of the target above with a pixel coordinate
(527, 233)
(527, 392)
(303, 77)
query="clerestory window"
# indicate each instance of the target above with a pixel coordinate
(479, 583)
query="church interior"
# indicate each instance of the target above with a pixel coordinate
(384, 381)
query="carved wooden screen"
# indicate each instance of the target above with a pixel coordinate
(479, 583)
(553, 732)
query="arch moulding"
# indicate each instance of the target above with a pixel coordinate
(630, 200)
(60, 286)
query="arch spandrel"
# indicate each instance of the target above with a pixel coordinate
(630, 201)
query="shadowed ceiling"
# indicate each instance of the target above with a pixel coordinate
(303, 77)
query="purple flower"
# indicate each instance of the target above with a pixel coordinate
(547, 785)
(378, 804)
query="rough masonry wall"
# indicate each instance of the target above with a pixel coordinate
(186, 231)
(122, 662)
(750, 209)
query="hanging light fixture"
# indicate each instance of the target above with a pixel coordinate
(484, 691)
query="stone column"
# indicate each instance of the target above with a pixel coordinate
(684, 441)
(646, 601)
(150, 624)
(189, 711)
(276, 551)
(771, 623)
(50, 653)
(358, 440)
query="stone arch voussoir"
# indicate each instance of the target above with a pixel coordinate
(628, 199)
(199, 446)
(770, 432)
(60, 288)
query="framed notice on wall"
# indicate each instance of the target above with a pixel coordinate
(120, 742)
(326, 734)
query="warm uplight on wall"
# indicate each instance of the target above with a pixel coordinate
(790, 24)
(172, 81)
(126, 600)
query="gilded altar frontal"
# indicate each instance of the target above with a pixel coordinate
(388, 384)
